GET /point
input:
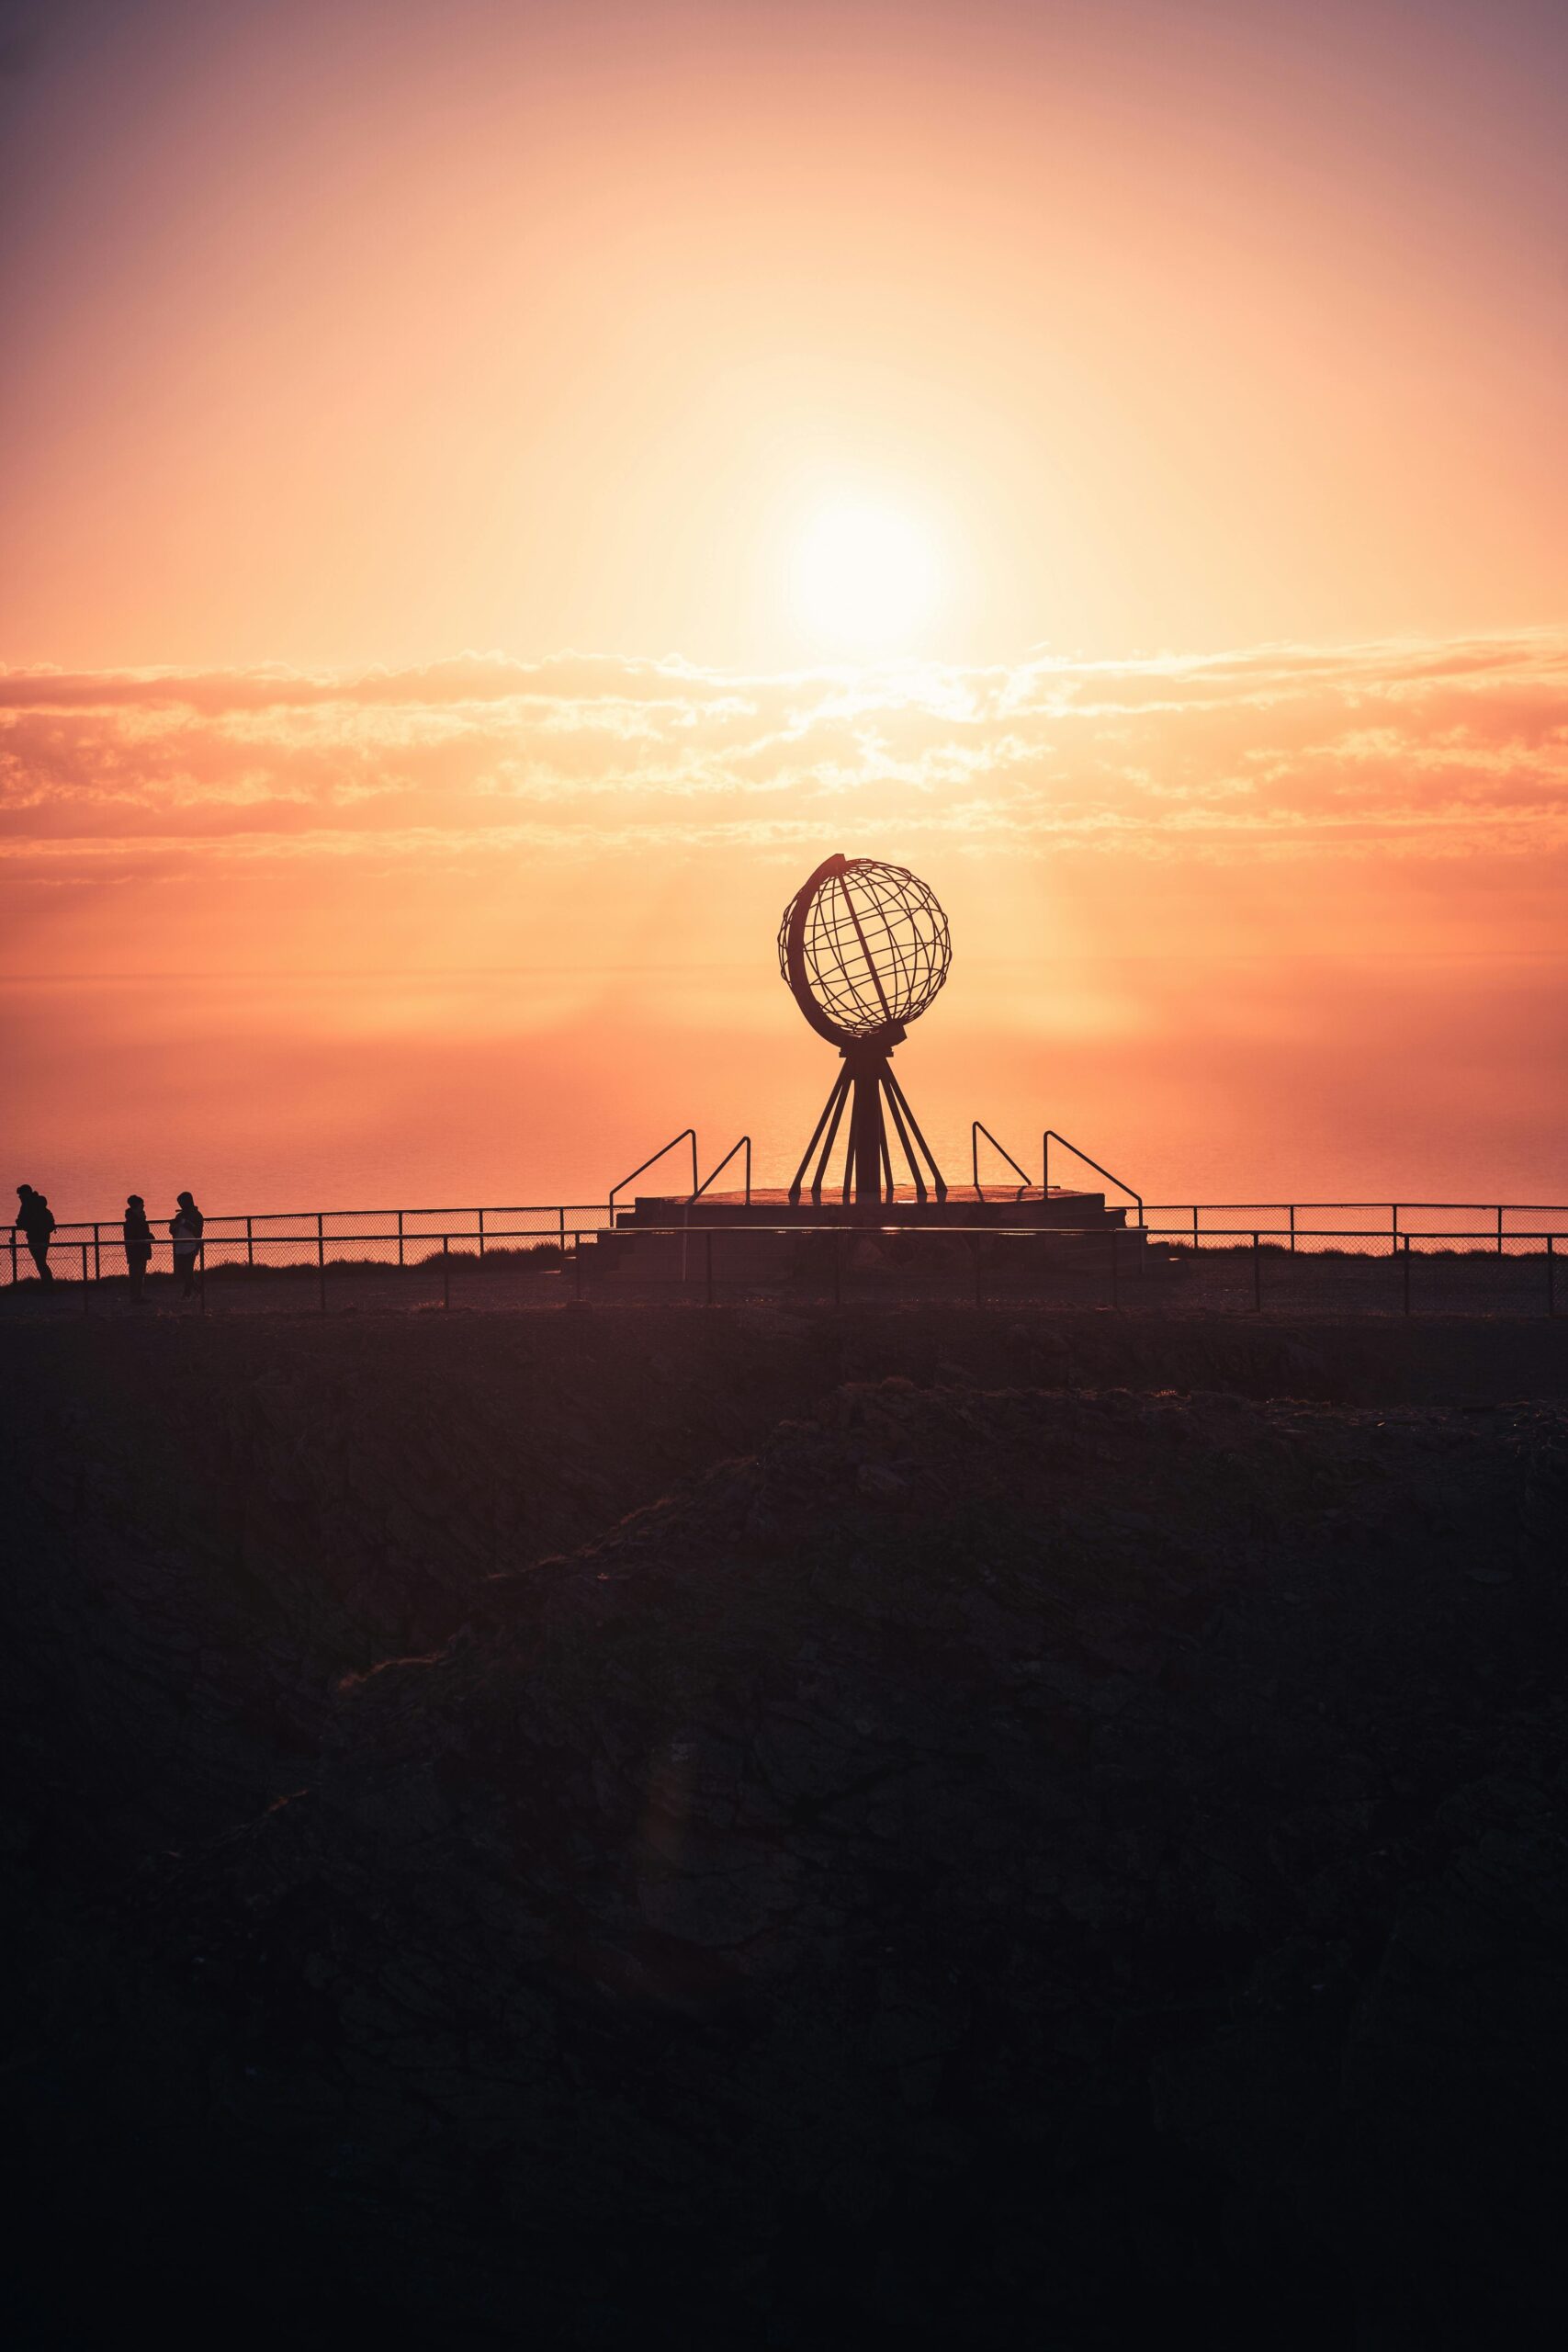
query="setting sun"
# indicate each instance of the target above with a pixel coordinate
(864, 575)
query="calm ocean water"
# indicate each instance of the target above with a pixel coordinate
(259, 1103)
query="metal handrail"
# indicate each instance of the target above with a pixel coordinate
(1322, 1233)
(649, 1162)
(976, 1129)
(1051, 1137)
(1509, 1207)
(890, 1224)
(723, 1164)
(237, 1216)
(315, 1247)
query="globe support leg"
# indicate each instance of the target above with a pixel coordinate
(868, 1181)
(832, 1111)
(901, 1103)
(838, 1101)
(863, 1172)
(903, 1144)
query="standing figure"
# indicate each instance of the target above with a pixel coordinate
(185, 1225)
(33, 1216)
(138, 1243)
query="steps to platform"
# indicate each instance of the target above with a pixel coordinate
(667, 1238)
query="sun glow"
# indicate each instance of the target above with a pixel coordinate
(864, 576)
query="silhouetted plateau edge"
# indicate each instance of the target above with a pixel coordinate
(1056, 1817)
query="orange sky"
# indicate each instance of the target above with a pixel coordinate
(361, 360)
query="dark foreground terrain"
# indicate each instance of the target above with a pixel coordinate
(642, 1828)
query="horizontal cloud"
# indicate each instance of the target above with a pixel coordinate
(1417, 749)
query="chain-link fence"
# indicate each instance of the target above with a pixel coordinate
(1390, 1258)
(1390, 1261)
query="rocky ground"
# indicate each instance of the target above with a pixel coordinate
(644, 1829)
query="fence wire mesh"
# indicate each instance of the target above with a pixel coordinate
(1234, 1258)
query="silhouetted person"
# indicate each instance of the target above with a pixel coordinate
(33, 1216)
(185, 1225)
(138, 1242)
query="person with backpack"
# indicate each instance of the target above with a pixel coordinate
(36, 1221)
(185, 1225)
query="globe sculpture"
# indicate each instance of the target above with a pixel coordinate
(864, 949)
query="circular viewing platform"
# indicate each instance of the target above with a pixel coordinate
(965, 1205)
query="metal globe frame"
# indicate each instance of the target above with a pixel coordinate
(865, 948)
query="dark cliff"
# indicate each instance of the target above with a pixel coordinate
(1038, 1822)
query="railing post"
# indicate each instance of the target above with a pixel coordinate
(1405, 1256)
(1257, 1275)
(708, 1239)
(482, 1233)
(250, 1247)
(201, 1275)
(1550, 1275)
(320, 1261)
(1393, 1229)
(1499, 1231)
(577, 1262)
(1194, 1228)
(1044, 1168)
(12, 1257)
(561, 1215)
(97, 1261)
(86, 1294)
(1292, 1207)
(445, 1270)
(400, 1237)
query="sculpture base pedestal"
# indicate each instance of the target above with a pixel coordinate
(660, 1238)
